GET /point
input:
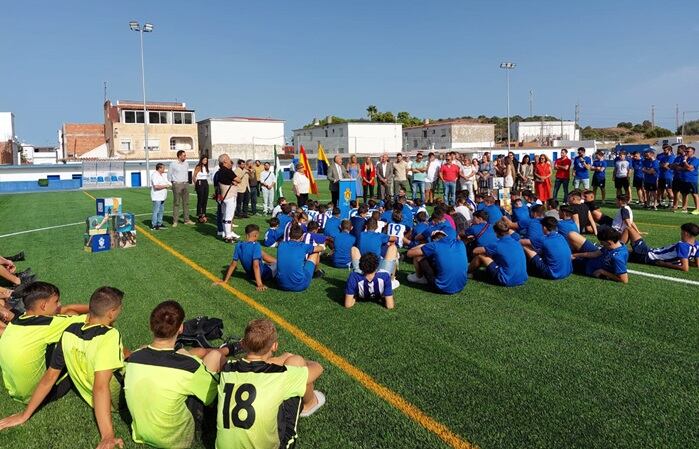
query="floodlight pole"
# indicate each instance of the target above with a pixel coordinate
(508, 66)
(141, 29)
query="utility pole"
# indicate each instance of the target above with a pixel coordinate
(652, 116)
(531, 103)
(105, 92)
(677, 117)
(577, 114)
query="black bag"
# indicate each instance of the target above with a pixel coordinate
(199, 332)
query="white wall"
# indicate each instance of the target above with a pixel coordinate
(7, 126)
(243, 132)
(529, 131)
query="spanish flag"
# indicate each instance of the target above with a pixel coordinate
(323, 162)
(307, 170)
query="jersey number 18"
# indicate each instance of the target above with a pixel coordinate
(240, 404)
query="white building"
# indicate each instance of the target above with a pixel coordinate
(544, 132)
(351, 137)
(449, 134)
(241, 137)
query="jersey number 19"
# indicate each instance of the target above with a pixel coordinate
(240, 405)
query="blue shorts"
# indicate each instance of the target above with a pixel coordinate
(639, 252)
(588, 247)
(308, 269)
(268, 271)
(495, 273)
(539, 268)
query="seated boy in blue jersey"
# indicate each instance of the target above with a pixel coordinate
(297, 262)
(359, 220)
(421, 225)
(332, 223)
(493, 209)
(677, 256)
(567, 224)
(377, 243)
(343, 243)
(520, 217)
(372, 284)
(313, 236)
(480, 233)
(396, 228)
(257, 264)
(440, 264)
(608, 262)
(504, 261)
(438, 222)
(273, 234)
(406, 210)
(554, 260)
(535, 233)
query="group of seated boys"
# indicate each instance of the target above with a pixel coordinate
(471, 239)
(167, 394)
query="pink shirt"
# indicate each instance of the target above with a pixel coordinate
(450, 220)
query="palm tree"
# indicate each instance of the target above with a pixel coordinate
(371, 111)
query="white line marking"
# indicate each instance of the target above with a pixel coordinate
(667, 278)
(28, 231)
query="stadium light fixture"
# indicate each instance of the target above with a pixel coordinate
(508, 66)
(146, 28)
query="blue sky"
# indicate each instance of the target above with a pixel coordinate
(298, 60)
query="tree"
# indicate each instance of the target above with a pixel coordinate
(627, 125)
(690, 128)
(371, 111)
(657, 132)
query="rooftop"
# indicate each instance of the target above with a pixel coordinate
(152, 105)
(461, 121)
(351, 122)
(242, 119)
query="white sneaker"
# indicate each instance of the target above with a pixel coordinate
(233, 225)
(321, 402)
(234, 235)
(395, 284)
(415, 279)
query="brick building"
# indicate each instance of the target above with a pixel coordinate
(79, 138)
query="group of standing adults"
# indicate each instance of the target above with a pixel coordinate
(236, 189)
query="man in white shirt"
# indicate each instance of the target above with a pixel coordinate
(178, 175)
(433, 165)
(267, 182)
(158, 194)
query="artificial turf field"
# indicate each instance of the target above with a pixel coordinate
(570, 364)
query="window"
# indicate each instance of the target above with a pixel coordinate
(125, 146)
(342, 132)
(424, 134)
(181, 143)
(433, 131)
(326, 133)
(182, 118)
(133, 116)
(444, 133)
(154, 144)
(414, 143)
(157, 117)
(173, 144)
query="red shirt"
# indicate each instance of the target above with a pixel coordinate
(450, 172)
(563, 167)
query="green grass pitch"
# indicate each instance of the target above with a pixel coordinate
(576, 363)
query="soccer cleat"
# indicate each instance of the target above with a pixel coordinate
(162, 226)
(395, 284)
(19, 257)
(174, 224)
(415, 279)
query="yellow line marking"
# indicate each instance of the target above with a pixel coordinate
(388, 395)
(89, 195)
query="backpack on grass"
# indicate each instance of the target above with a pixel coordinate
(199, 331)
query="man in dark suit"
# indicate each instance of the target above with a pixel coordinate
(336, 171)
(384, 173)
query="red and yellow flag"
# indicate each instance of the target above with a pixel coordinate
(307, 171)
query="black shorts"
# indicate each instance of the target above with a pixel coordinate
(596, 182)
(664, 184)
(621, 183)
(638, 183)
(688, 188)
(677, 185)
(650, 187)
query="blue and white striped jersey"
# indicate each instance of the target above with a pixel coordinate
(397, 230)
(379, 287)
(674, 253)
